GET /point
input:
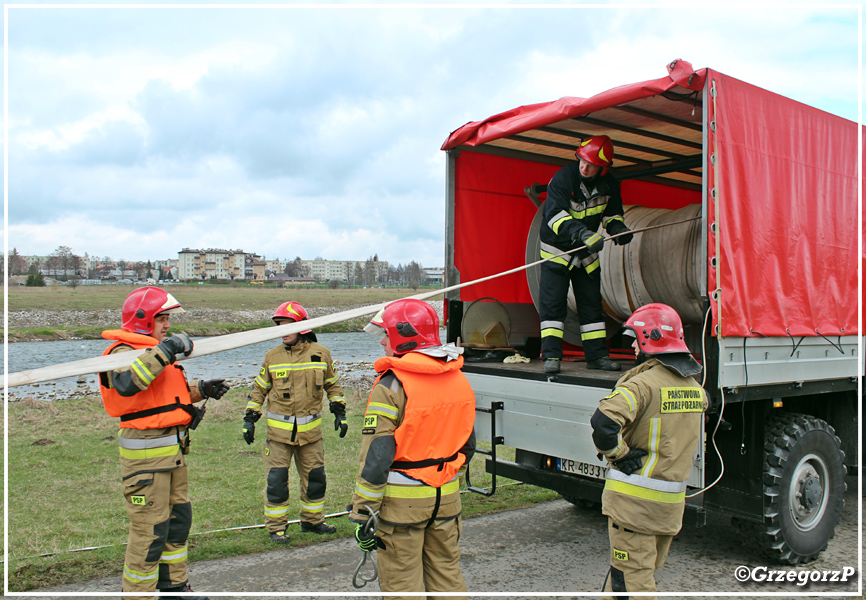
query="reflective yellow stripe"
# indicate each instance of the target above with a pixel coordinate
(595, 210)
(655, 430)
(640, 492)
(596, 264)
(149, 452)
(255, 406)
(551, 333)
(134, 575)
(592, 335)
(276, 511)
(626, 393)
(555, 227)
(419, 491)
(386, 410)
(317, 507)
(577, 214)
(367, 493)
(174, 557)
(290, 426)
(262, 383)
(556, 259)
(142, 371)
(613, 452)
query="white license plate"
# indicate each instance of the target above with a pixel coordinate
(581, 468)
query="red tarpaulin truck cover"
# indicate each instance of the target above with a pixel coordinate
(781, 198)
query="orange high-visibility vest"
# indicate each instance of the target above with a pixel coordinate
(438, 418)
(166, 401)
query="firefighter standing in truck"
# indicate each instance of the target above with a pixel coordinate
(418, 437)
(294, 380)
(580, 196)
(156, 409)
(648, 428)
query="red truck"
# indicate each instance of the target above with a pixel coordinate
(766, 280)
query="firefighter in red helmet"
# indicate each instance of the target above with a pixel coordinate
(156, 409)
(648, 428)
(580, 197)
(418, 438)
(294, 380)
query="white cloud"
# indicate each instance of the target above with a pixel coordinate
(315, 131)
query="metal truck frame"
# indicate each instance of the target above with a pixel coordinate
(778, 288)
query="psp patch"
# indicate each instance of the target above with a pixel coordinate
(138, 500)
(370, 422)
(620, 554)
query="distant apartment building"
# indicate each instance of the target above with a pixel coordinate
(436, 274)
(211, 263)
(275, 266)
(341, 270)
(254, 267)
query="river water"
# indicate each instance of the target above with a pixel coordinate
(240, 363)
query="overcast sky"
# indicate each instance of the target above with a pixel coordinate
(307, 131)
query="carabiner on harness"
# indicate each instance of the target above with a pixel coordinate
(358, 580)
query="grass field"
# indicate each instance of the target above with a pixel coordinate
(239, 297)
(65, 493)
(228, 297)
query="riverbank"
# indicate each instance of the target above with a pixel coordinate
(35, 325)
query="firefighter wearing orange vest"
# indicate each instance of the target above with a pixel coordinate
(648, 428)
(156, 409)
(294, 380)
(418, 437)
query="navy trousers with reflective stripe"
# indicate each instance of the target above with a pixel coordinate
(553, 295)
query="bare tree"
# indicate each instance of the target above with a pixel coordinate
(17, 264)
(414, 275)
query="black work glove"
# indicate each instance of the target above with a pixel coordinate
(249, 429)
(631, 462)
(617, 227)
(338, 409)
(366, 539)
(179, 343)
(592, 240)
(213, 388)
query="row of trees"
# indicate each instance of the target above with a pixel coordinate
(65, 265)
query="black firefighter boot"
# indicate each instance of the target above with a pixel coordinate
(603, 364)
(184, 590)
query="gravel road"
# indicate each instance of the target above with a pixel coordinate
(552, 547)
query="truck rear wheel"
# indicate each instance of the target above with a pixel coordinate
(804, 488)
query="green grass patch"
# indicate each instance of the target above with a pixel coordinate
(65, 491)
(237, 297)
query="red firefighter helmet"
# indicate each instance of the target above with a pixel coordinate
(291, 311)
(143, 305)
(411, 325)
(597, 150)
(658, 329)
